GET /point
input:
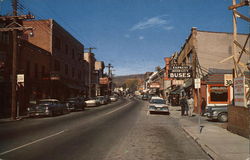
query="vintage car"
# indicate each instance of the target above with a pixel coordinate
(157, 104)
(92, 102)
(217, 113)
(75, 104)
(47, 107)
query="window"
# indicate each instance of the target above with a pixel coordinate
(57, 43)
(43, 71)
(219, 94)
(73, 54)
(56, 65)
(66, 49)
(66, 69)
(190, 57)
(28, 68)
(36, 70)
(79, 75)
(73, 72)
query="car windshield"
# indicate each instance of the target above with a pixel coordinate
(45, 102)
(158, 101)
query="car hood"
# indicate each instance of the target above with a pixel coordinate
(90, 101)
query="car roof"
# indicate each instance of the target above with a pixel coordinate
(45, 100)
(156, 97)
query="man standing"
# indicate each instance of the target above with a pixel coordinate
(182, 103)
(191, 105)
(186, 107)
(203, 106)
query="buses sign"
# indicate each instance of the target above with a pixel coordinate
(180, 72)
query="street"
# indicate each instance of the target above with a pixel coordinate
(121, 130)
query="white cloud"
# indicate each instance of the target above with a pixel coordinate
(141, 37)
(157, 21)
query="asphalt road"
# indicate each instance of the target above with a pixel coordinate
(121, 130)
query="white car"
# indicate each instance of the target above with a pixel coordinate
(113, 99)
(92, 103)
(157, 104)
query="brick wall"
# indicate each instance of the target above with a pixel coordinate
(239, 119)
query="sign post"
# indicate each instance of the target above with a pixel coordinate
(197, 85)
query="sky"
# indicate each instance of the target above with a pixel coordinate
(133, 35)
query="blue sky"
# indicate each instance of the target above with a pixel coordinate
(134, 35)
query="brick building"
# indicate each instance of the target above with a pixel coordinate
(67, 63)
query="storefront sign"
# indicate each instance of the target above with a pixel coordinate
(239, 92)
(178, 82)
(228, 79)
(180, 72)
(104, 80)
(197, 83)
(154, 85)
(20, 78)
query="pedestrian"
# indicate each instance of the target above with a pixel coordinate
(191, 106)
(182, 103)
(203, 106)
(186, 107)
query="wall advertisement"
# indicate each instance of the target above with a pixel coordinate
(239, 92)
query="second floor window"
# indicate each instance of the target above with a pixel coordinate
(57, 43)
(73, 54)
(66, 69)
(56, 65)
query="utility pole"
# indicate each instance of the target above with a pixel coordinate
(109, 69)
(109, 77)
(90, 73)
(14, 26)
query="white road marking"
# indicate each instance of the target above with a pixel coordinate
(25, 145)
(116, 109)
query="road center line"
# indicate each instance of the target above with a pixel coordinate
(116, 109)
(25, 145)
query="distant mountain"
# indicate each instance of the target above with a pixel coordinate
(120, 80)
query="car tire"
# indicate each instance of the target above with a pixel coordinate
(223, 117)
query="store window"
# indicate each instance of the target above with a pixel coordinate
(219, 94)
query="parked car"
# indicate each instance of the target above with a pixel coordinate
(113, 99)
(217, 113)
(157, 104)
(75, 104)
(47, 107)
(102, 100)
(145, 97)
(92, 102)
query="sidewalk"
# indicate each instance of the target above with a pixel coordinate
(6, 120)
(217, 142)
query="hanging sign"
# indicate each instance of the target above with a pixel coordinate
(180, 72)
(197, 83)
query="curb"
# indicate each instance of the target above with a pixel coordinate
(203, 146)
(8, 120)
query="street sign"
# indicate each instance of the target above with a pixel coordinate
(228, 79)
(197, 83)
(20, 78)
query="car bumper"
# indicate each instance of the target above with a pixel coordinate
(91, 104)
(34, 114)
(211, 116)
(159, 110)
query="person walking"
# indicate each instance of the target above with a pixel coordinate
(191, 106)
(203, 106)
